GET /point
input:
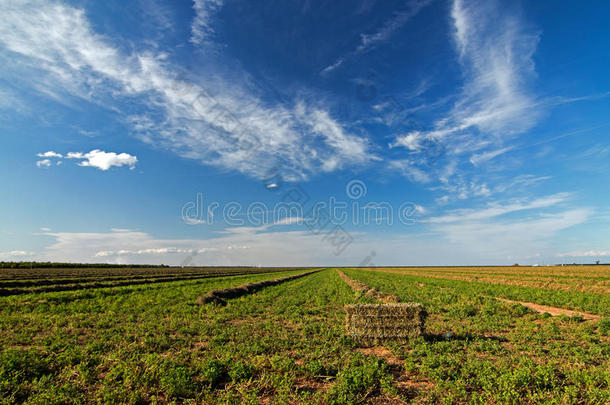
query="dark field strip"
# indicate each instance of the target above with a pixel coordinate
(95, 284)
(39, 302)
(219, 296)
(97, 279)
(58, 273)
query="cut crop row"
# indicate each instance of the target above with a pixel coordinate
(86, 284)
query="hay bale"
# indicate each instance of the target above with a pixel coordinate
(373, 324)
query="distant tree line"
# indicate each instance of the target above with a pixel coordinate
(46, 265)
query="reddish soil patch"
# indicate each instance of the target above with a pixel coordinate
(380, 351)
(309, 385)
(554, 311)
(238, 321)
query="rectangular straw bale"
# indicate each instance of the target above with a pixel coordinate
(372, 324)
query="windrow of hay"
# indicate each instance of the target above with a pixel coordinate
(220, 296)
(93, 284)
(365, 290)
(374, 324)
(89, 283)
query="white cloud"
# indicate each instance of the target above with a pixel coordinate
(369, 41)
(495, 50)
(15, 255)
(75, 155)
(411, 141)
(217, 121)
(201, 26)
(496, 210)
(479, 158)
(9, 100)
(442, 200)
(514, 231)
(49, 154)
(520, 182)
(289, 221)
(96, 158)
(252, 247)
(332, 67)
(150, 251)
(508, 238)
(587, 253)
(410, 170)
(44, 163)
(419, 209)
(468, 243)
(104, 160)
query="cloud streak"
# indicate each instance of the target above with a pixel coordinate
(213, 120)
(494, 48)
(201, 27)
(496, 210)
(384, 33)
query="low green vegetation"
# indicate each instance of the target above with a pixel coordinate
(286, 344)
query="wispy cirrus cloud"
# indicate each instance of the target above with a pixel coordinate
(383, 33)
(586, 253)
(502, 229)
(496, 210)
(213, 120)
(494, 47)
(483, 157)
(495, 50)
(510, 238)
(521, 181)
(202, 27)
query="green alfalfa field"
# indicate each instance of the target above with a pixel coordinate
(141, 336)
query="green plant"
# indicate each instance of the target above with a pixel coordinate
(214, 372)
(603, 326)
(359, 380)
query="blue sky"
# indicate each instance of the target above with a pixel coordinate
(467, 132)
